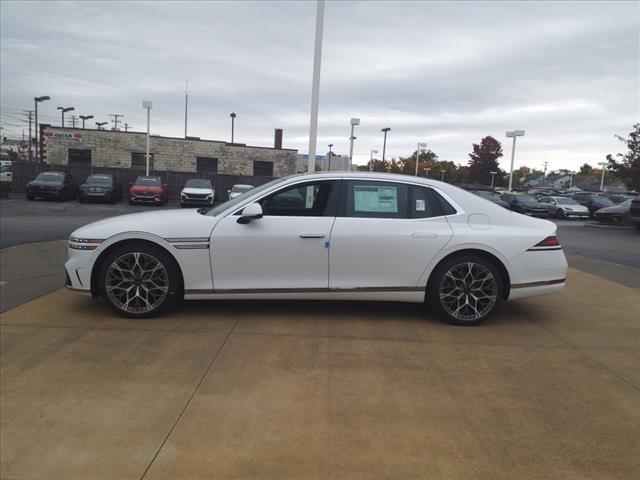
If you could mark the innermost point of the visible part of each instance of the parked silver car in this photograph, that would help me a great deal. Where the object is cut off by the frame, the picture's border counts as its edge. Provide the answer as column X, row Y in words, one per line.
column 564, row 207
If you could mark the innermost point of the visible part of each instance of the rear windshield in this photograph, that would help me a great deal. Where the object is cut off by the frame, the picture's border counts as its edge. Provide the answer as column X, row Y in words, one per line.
column 51, row 177
column 99, row 179
column 153, row 181
column 602, row 201
column 198, row 183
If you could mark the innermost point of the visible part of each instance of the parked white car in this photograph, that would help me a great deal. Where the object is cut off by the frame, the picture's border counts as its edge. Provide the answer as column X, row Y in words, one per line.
column 342, row 236
column 197, row 192
column 564, row 207
column 238, row 190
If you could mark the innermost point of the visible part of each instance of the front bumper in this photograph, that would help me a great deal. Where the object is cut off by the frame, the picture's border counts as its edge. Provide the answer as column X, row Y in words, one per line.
column 45, row 193
column 569, row 214
column 145, row 199
column 204, row 202
column 78, row 270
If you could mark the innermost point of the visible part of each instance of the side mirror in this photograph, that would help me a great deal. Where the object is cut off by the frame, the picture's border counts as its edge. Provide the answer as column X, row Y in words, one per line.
column 253, row 211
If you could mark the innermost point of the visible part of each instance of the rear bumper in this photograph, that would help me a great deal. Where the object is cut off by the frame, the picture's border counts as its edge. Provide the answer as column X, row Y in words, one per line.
column 534, row 291
column 537, row 272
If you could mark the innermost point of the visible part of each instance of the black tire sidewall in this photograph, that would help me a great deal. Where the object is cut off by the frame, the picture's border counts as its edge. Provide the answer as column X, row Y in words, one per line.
column 167, row 261
column 433, row 287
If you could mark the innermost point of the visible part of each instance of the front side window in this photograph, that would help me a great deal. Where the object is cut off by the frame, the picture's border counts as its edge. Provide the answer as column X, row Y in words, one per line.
column 306, row 200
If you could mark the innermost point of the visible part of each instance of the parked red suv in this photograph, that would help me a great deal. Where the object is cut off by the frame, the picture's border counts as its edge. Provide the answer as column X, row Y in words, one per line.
column 148, row 190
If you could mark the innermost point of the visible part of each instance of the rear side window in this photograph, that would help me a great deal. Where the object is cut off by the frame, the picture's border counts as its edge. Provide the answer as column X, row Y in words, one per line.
column 391, row 200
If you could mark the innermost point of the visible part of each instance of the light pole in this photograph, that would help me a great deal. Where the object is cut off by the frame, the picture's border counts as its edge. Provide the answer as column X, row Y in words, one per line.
column 420, row 145
column 513, row 134
column 63, row 110
column 493, row 174
column 354, row 122
column 371, row 160
column 37, row 100
column 100, row 125
column 85, row 117
column 148, row 105
column 443, row 172
column 604, row 165
column 233, row 121
column 315, row 85
column 330, row 155
column 571, row 174
column 426, row 172
column 384, row 145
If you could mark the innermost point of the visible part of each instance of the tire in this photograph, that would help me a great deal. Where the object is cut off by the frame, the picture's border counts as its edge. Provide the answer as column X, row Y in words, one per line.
column 82, row 199
column 559, row 213
column 448, row 285
column 153, row 294
column 30, row 197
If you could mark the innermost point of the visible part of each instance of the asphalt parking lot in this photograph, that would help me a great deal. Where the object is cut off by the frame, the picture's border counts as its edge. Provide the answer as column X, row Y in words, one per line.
column 548, row 388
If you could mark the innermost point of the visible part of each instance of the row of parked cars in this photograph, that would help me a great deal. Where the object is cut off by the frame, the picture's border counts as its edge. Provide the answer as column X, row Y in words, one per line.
column 104, row 187
column 602, row 207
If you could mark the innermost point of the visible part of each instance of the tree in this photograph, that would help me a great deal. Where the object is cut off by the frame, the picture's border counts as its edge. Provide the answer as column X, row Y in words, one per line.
column 394, row 167
column 586, row 169
column 408, row 164
column 627, row 168
column 484, row 160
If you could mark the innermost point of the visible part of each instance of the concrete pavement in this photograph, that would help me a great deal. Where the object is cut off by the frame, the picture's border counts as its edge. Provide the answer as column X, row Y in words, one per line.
column 549, row 388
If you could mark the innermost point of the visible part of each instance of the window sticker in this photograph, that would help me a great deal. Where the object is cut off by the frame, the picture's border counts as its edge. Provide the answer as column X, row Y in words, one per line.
column 379, row 199
column 421, row 205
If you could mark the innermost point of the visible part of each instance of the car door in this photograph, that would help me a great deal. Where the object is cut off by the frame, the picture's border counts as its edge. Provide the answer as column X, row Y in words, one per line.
column 385, row 234
column 285, row 250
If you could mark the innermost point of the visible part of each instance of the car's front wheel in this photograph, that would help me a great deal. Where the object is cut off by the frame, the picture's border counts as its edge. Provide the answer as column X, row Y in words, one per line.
column 139, row 280
column 465, row 290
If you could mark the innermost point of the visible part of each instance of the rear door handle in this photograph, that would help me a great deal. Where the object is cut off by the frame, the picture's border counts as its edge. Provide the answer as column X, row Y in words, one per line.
column 312, row 235
column 424, row 235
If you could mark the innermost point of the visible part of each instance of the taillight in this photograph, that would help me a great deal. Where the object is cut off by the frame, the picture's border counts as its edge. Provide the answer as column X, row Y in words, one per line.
column 549, row 243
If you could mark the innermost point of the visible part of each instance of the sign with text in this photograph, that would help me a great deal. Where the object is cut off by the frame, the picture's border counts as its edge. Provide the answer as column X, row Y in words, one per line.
column 64, row 137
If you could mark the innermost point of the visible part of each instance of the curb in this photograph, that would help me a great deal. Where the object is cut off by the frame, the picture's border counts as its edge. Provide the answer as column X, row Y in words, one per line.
column 610, row 226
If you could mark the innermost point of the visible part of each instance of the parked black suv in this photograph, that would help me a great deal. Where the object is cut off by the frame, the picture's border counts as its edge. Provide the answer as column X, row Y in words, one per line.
column 592, row 201
column 100, row 186
column 525, row 204
column 54, row 185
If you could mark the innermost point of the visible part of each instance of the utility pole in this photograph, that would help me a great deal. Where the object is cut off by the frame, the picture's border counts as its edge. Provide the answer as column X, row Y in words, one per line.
column 73, row 121
column 30, row 146
column 186, row 103
column 115, row 120
column 126, row 127
column 545, row 163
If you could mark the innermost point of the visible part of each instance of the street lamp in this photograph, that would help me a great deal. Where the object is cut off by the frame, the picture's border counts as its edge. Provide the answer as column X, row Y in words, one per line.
column 493, row 174
column 85, row 117
column 443, row 172
column 354, row 122
column 384, row 145
column 100, row 125
column 148, row 105
column 513, row 134
column 371, row 160
column 233, row 120
column 420, row 145
column 426, row 171
column 571, row 174
column 37, row 100
column 604, row 165
column 63, row 110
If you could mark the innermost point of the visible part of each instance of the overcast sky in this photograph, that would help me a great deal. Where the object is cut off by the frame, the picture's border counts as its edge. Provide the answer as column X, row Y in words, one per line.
column 446, row 73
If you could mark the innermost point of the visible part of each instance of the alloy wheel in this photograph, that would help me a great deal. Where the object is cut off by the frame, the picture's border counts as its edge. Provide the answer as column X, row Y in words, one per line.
column 468, row 291
column 137, row 282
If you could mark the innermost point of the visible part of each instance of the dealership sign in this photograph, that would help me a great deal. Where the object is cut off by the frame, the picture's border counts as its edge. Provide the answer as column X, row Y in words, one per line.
column 64, row 137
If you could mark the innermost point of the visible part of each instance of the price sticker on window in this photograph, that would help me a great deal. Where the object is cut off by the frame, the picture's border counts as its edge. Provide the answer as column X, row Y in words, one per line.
column 421, row 206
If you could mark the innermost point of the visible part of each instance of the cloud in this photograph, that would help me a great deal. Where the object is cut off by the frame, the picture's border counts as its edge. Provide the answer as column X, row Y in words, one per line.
column 446, row 73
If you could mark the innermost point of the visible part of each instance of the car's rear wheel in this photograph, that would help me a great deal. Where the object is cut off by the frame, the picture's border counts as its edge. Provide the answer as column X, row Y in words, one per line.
column 139, row 280
column 465, row 290
column 30, row 196
column 559, row 213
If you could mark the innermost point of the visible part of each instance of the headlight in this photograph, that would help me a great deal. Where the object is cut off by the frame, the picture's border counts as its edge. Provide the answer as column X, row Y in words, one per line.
column 84, row 243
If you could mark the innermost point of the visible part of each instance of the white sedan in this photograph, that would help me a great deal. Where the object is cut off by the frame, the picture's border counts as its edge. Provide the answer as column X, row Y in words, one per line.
column 333, row 236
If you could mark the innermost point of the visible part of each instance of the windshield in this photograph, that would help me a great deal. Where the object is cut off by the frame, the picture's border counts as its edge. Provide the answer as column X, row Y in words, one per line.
column 527, row 199
column 565, row 201
column 602, row 201
column 241, row 188
column 240, row 198
column 99, row 179
column 51, row 177
column 626, row 203
column 153, row 181
column 197, row 183
column 488, row 195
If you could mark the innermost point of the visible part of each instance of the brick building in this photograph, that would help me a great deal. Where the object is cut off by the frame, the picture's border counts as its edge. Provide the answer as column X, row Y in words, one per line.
column 117, row 149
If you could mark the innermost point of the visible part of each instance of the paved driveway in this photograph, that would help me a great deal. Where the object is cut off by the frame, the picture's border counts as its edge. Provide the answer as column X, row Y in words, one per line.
column 549, row 388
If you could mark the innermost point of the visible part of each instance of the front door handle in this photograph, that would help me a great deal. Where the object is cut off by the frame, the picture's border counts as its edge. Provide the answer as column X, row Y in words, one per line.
column 312, row 235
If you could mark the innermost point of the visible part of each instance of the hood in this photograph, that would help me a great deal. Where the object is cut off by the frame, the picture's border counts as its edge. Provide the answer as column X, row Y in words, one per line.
column 164, row 224
column 40, row 183
column 197, row 191
column 532, row 205
column 614, row 209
